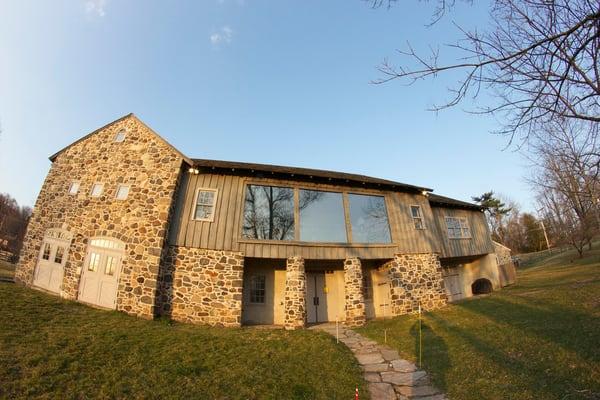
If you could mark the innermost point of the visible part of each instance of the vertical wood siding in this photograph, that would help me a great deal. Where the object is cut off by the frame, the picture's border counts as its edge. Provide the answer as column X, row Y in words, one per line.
column 224, row 232
column 480, row 241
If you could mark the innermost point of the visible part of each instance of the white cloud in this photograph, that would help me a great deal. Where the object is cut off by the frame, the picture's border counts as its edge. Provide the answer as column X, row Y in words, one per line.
column 97, row 7
column 224, row 35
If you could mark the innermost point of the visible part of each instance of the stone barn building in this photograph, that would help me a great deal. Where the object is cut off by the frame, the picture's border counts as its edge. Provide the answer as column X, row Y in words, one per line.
column 125, row 221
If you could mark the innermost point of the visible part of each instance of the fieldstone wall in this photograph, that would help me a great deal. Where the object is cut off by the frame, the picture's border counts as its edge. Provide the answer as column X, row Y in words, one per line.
column 414, row 279
column 144, row 162
column 295, row 294
column 502, row 253
column 201, row 286
column 355, row 300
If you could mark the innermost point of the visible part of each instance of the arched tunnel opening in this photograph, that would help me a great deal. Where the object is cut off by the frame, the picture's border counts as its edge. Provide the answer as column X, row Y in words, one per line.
column 481, row 286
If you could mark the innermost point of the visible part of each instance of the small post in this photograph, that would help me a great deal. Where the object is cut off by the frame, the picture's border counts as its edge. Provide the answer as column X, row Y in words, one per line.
column 356, row 394
column 337, row 332
column 385, row 336
column 420, row 340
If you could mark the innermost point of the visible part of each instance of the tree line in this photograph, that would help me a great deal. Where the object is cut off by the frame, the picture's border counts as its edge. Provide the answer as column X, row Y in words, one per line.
column 13, row 224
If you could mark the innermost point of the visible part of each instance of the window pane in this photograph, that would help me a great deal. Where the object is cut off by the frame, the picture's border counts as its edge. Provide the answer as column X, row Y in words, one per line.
column 203, row 212
column 58, row 257
column 205, row 208
column 94, row 262
column 74, row 188
column 111, row 265
column 418, row 223
column 97, row 190
column 268, row 213
column 205, row 197
column 257, row 289
column 120, row 136
column 416, row 212
column 369, row 219
column 122, row 192
column 46, row 254
column 322, row 217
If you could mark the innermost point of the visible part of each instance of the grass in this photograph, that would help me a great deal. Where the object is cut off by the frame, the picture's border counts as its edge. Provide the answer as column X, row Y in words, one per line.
column 7, row 270
column 539, row 339
column 52, row 348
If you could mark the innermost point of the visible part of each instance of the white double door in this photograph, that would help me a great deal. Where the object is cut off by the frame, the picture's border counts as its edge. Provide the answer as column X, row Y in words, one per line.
column 51, row 263
column 100, row 277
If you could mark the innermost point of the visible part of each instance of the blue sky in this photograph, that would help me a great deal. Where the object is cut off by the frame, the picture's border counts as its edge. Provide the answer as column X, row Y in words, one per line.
column 277, row 82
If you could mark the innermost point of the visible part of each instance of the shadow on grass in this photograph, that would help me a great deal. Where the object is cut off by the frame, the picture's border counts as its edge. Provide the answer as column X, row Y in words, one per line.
column 434, row 350
column 538, row 376
column 548, row 321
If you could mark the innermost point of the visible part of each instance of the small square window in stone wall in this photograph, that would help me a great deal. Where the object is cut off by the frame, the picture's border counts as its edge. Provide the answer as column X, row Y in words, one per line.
column 74, row 188
column 120, row 136
column 97, row 190
column 122, row 192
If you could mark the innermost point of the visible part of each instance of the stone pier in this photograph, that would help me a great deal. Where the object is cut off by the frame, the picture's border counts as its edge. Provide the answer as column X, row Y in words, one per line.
column 295, row 294
column 355, row 300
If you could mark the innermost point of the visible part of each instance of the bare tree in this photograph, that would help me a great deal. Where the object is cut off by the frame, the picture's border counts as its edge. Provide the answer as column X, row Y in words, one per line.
column 539, row 58
column 566, row 179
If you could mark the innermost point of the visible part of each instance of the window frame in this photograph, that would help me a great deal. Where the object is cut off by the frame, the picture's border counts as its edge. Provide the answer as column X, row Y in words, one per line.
column 119, row 186
column 118, row 134
column 420, row 217
column 298, row 220
column 214, row 204
column 296, row 187
column 349, row 217
column 462, row 228
column 252, row 289
column 101, row 190
column 73, row 184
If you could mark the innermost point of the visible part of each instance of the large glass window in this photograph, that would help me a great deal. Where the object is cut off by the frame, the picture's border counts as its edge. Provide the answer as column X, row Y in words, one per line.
column 322, row 217
column 268, row 213
column 369, row 219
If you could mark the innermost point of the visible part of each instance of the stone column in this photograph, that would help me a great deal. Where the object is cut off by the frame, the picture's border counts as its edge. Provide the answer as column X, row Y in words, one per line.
column 414, row 279
column 295, row 294
column 355, row 299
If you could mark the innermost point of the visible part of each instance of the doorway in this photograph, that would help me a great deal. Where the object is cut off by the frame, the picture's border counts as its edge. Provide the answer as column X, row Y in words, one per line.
column 51, row 262
column 316, row 298
column 100, row 277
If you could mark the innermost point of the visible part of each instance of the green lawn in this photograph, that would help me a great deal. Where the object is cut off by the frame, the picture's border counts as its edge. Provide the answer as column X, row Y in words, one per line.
column 539, row 339
column 7, row 270
column 51, row 349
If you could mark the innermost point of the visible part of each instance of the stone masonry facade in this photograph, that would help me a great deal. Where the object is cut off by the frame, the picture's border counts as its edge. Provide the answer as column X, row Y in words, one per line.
column 354, row 304
column 415, row 279
column 151, row 169
column 295, row 294
column 201, row 286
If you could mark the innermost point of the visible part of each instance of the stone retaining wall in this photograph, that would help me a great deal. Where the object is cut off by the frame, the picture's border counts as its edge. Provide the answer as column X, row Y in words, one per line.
column 201, row 286
column 415, row 278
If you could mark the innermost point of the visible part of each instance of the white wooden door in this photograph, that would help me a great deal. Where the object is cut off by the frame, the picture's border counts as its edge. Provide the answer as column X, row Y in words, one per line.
column 316, row 298
column 51, row 262
column 100, row 275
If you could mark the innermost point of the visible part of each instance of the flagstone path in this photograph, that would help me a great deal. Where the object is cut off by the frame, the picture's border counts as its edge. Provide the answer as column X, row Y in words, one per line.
column 389, row 376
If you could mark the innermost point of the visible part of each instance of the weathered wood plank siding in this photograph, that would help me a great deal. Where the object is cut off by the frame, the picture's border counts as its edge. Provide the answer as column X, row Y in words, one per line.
column 224, row 232
column 480, row 241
